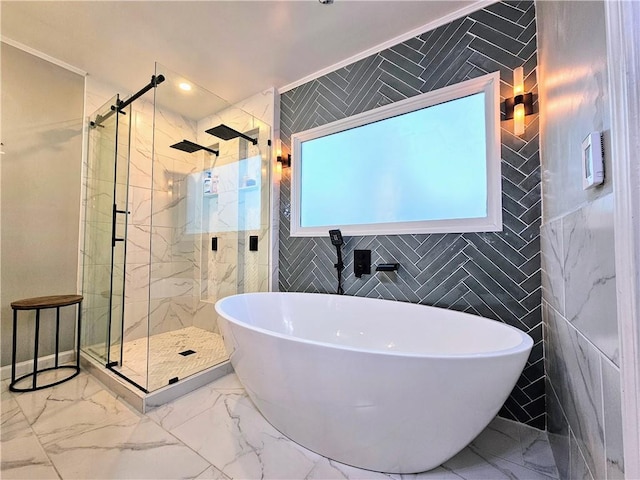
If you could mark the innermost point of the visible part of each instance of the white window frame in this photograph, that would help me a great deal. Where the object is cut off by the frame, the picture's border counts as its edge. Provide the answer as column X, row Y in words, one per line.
column 490, row 85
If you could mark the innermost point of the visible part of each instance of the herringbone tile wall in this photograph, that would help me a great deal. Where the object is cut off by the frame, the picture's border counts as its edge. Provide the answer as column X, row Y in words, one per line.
column 496, row 275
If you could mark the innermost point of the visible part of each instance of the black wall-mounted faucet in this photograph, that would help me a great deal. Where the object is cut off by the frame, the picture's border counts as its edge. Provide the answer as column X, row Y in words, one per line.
column 387, row 267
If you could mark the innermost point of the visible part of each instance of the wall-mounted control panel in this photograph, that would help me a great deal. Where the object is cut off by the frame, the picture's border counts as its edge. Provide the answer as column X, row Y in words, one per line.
column 592, row 161
column 253, row 243
column 361, row 262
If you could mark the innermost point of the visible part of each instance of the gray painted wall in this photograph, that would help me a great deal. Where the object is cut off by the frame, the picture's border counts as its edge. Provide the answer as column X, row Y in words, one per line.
column 42, row 107
column 496, row 275
column 577, row 236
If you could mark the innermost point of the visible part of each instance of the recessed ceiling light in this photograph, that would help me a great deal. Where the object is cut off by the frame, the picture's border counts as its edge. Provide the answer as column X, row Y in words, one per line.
column 185, row 86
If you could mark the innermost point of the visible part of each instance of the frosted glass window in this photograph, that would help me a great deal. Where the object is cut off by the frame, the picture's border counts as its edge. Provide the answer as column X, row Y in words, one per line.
column 432, row 168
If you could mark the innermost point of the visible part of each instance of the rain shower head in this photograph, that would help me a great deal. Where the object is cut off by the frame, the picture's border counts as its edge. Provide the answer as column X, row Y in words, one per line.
column 190, row 147
column 227, row 133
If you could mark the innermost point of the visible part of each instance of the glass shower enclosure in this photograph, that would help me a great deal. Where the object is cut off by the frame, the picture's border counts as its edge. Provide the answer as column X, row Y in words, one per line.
column 176, row 217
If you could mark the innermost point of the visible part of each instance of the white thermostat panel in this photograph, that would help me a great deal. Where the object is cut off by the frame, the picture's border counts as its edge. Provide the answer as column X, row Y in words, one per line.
column 592, row 162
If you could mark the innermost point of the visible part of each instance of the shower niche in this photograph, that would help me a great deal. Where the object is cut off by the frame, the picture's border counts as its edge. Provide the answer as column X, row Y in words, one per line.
column 168, row 170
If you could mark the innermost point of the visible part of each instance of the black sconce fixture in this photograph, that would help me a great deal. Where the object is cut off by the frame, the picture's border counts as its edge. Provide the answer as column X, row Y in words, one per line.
column 285, row 161
column 520, row 105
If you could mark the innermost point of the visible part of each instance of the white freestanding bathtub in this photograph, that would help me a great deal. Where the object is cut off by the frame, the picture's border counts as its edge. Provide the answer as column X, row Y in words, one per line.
column 377, row 384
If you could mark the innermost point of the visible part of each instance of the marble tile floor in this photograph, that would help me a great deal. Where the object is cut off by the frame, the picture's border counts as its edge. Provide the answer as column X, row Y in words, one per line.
column 79, row 430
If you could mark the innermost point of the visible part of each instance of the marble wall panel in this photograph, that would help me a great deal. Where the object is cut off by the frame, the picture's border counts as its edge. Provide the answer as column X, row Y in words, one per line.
column 578, row 468
column 99, row 201
column 205, row 317
column 170, row 313
column 573, row 60
column 139, row 206
column 136, row 324
column 558, row 432
column 138, row 237
column 137, row 282
column 97, row 245
column 611, row 399
column 171, row 279
column 169, row 210
column 589, row 274
column 552, row 259
column 573, row 367
column 582, row 350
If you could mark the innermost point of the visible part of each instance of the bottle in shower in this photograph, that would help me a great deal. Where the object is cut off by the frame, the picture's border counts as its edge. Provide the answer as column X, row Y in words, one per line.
column 207, row 183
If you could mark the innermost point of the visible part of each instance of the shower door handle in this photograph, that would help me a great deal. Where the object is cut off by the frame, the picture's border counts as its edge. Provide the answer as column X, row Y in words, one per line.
column 115, row 239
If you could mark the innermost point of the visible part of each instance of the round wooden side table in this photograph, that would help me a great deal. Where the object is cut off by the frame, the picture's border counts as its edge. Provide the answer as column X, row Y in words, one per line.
column 37, row 304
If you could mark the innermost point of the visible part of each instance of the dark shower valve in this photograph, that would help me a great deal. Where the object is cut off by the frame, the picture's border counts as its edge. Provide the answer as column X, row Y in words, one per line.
column 361, row 262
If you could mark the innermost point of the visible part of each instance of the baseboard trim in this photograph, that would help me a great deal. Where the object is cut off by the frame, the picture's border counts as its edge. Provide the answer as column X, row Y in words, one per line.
column 25, row 367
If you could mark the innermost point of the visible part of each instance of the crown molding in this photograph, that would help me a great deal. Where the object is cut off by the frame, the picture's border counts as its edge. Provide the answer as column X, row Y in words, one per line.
column 462, row 12
column 44, row 56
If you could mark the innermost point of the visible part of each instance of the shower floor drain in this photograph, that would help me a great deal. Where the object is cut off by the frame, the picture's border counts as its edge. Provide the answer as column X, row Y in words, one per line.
column 187, row 352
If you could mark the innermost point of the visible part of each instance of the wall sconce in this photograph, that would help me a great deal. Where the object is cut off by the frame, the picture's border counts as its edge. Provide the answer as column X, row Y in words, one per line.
column 284, row 161
column 520, row 104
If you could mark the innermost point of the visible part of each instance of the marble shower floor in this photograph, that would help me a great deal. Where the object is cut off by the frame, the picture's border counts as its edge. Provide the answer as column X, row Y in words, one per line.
column 165, row 361
column 79, row 430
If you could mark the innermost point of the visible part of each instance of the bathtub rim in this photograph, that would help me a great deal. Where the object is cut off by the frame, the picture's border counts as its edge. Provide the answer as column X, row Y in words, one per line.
column 526, row 343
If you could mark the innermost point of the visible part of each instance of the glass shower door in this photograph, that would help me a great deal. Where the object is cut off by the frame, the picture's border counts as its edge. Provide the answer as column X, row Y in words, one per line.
column 103, row 254
column 119, row 221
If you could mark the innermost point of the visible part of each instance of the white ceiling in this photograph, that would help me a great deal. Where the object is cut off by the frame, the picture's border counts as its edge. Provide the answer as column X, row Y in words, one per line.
column 233, row 48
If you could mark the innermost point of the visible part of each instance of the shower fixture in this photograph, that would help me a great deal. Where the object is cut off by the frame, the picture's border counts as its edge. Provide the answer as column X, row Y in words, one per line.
column 338, row 242
column 155, row 81
column 122, row 104
column 227, row 133
column 190, row 147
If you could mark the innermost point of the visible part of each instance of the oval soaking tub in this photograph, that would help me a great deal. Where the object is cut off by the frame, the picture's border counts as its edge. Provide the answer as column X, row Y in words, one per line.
column 377, row 384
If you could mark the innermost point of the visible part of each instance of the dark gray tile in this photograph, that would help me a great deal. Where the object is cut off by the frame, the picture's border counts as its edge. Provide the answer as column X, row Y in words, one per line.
column 495, row 53
column 528, row 52
column 528, row 17
column 444, row 287
column 512, row 190
column 533, row 318
column 439, row 39
column 455, row 52
column 410, row 48
column 435, row 265
column 503, row 263
column 332, row 102
column 454, row 72
column 528, row 33
column 532, row 213
column 390, row 93
column 532, row 182
column 498, row 22
column 497, row 38
column 394, row 57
